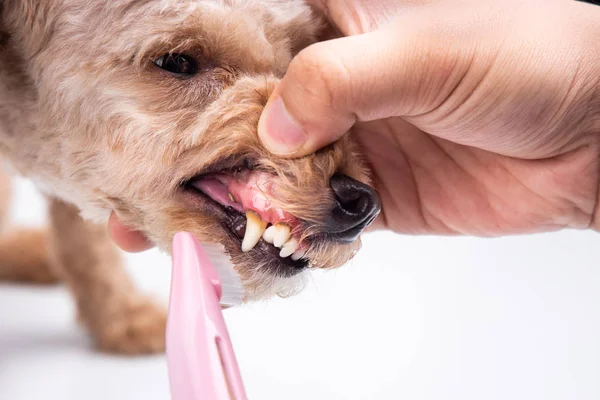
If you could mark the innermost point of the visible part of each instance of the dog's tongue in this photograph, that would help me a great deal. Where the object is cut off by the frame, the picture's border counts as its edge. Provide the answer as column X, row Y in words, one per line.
column 243, row 192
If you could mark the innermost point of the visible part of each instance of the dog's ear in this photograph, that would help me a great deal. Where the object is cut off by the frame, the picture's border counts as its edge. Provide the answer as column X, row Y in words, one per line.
column 307, row 29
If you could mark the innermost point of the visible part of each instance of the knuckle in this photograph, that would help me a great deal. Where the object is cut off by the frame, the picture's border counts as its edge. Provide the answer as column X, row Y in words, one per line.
column 321, row 76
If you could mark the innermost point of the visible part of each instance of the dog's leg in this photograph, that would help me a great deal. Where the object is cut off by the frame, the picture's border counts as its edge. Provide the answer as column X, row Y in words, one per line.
column 24, row 258
column 120, row 319
column 23, row 253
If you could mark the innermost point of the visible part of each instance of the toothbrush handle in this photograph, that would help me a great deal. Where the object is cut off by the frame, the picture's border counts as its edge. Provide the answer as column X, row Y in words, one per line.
column 200, row 357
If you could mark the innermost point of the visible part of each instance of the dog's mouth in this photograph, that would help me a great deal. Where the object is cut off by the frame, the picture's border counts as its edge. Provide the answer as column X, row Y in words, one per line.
column 241, row 199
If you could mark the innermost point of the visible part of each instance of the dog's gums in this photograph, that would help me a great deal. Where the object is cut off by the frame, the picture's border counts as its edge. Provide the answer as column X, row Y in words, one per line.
column 243, row 192
column 149, row 109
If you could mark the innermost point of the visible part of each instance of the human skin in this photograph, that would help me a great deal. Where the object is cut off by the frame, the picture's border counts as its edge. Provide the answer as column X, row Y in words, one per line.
column 476, row 117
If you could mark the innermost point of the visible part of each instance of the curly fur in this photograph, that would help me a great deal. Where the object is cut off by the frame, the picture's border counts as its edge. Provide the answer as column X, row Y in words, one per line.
column 97, row 126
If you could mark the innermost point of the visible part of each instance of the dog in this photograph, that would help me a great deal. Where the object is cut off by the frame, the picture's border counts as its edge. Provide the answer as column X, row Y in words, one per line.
column 149, row 108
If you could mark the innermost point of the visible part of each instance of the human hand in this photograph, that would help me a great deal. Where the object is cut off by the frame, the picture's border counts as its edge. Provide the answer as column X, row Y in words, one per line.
column 127, row 239
column 477, row 117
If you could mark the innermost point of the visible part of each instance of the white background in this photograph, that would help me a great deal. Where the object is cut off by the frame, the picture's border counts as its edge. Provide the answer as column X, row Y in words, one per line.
column 411, row 318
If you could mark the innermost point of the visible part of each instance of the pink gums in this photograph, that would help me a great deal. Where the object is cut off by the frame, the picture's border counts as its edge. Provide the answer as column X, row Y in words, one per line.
column 251, row 191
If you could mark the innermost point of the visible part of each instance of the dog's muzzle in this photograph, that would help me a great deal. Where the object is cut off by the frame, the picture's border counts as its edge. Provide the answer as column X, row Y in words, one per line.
column 356, row 206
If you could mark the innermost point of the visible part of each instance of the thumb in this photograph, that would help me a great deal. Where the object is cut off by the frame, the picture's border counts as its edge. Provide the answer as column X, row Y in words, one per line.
column 331, row 85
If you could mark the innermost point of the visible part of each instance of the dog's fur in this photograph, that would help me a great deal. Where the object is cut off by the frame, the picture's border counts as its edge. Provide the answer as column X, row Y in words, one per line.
column 97, row 126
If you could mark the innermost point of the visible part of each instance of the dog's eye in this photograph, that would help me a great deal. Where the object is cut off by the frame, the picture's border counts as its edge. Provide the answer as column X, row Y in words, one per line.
column 177, row 63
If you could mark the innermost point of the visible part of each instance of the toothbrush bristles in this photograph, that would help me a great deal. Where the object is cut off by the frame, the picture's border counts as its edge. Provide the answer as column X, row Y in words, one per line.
column 233, row 290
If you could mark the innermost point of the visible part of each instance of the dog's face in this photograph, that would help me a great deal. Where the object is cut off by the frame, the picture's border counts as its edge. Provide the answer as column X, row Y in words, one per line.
column 153, row 106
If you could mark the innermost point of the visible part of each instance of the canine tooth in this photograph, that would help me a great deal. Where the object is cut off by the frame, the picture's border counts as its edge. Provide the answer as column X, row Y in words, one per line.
column 269, row 234
column 231, row 197
column 288, row 248
column 282, row 234
column 298, row 254
column 255, row 227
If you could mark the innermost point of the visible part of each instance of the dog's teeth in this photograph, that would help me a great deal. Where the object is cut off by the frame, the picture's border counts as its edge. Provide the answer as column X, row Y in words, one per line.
column 288, row 248
column 231, row 197
column 269, row 234
column 282, row 234
column 255, row 227
column 298, row 254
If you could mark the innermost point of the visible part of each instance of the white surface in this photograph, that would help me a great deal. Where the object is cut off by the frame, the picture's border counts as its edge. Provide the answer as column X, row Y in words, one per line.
column 411, row 318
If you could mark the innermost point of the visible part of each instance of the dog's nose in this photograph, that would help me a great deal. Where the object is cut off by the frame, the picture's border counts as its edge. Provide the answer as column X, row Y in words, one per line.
column 356, row 206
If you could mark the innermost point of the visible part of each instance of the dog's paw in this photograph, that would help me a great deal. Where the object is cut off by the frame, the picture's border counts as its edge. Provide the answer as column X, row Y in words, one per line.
column 138, row 329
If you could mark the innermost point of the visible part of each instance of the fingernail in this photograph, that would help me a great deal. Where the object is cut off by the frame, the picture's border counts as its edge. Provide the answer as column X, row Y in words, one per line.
column 278, row 131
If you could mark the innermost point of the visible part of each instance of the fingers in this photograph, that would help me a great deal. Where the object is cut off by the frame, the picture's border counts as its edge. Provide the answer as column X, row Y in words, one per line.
column 127, row 239
column 330, row 85
column 311, row 108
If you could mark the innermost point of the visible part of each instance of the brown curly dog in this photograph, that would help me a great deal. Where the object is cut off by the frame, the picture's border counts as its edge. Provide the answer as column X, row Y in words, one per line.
column 150, row 108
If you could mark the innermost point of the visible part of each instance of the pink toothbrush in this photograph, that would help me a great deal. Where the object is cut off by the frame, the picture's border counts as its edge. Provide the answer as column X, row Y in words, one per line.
column 200, row 357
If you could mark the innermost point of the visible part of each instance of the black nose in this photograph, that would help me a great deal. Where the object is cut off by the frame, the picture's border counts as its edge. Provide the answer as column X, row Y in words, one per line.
column 355, row 208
